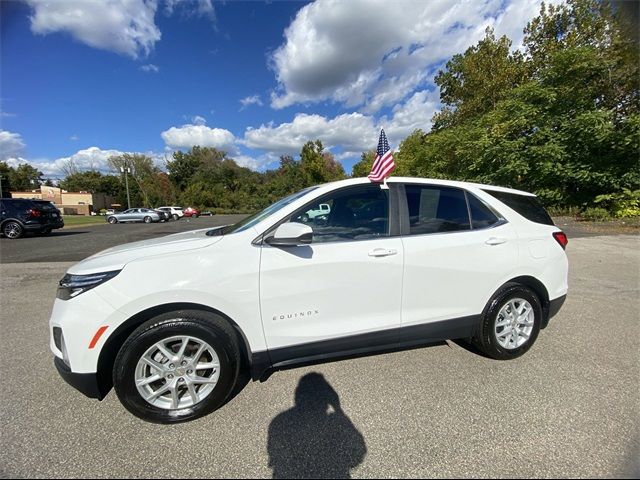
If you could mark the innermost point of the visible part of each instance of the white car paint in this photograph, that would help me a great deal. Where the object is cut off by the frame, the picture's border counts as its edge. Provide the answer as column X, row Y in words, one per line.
column 323, row 291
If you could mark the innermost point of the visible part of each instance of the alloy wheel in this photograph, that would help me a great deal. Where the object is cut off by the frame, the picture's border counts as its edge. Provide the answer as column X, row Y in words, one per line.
column 514, row 323
column 177, row 372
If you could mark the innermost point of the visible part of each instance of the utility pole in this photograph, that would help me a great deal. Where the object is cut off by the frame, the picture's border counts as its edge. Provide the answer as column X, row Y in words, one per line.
column 1, row 186
column 126, row 182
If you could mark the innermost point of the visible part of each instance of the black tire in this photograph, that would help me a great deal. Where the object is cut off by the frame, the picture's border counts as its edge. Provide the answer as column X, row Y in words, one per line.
column 485, row 338
column 112, row 220
column 45, row 232
column 196, row 215
column 12, row 229
column 175, row 216
column 147, row 219
column 206, row 326
column 304, row 218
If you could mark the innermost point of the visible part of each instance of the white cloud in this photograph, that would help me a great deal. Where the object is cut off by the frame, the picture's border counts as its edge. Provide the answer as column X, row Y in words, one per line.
column 191, row 7
column 92, row 158
column 251, row 100
column 122, row 26
column 375, row 53
column 351, row 131
column 248, row 162
column 415, row 113
column 74, row 138
column 198, row 120
column 11, row 145
column 189, row 135
column 150, row 67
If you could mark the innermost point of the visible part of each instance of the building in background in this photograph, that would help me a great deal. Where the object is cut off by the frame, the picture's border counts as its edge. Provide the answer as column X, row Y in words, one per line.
column 70, row 203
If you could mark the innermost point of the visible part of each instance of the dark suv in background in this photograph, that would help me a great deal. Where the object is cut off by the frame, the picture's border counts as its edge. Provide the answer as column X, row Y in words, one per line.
column 18, row 216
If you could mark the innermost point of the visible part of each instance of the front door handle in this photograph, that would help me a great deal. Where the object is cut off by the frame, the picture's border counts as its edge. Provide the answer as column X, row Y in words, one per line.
column 382, row 252
column 496, row 241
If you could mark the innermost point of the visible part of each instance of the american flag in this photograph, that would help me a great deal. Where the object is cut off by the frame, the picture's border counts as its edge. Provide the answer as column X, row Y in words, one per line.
column 383, row 165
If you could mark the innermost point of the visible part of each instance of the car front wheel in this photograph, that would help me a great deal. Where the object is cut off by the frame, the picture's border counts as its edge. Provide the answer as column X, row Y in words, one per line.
column 177, row 367
column 147, row 219
column 510, row 324
column 175, row 216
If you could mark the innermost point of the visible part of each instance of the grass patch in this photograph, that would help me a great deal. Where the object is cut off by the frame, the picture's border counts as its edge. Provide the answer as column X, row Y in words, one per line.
column 81, row 220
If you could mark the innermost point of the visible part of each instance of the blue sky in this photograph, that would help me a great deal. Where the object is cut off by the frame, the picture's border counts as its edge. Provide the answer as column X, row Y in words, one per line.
column 84, row 79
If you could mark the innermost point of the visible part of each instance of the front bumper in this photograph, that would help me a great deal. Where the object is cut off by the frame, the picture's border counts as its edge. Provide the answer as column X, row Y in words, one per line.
column 85, row 383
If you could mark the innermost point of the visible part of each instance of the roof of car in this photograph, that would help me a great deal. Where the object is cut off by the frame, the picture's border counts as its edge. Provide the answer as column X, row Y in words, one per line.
column 432, row 181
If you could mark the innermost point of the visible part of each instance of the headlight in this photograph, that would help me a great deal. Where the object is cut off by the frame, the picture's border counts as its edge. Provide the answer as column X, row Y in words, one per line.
column 73, row 285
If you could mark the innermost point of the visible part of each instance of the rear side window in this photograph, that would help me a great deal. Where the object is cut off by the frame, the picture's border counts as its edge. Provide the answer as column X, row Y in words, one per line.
column 527, row 206
column 43, row 205
column 18, row 205
column 481, row 214
column 436, row 209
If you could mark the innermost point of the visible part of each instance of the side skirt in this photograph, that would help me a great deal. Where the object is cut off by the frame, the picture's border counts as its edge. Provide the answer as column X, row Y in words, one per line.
column 263, row 364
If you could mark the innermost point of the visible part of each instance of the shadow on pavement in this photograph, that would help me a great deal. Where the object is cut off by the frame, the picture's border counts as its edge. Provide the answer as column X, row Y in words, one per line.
column 315, row 438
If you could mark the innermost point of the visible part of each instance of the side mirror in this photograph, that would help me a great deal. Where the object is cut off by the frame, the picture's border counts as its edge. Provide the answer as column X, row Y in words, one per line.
column 291, row 234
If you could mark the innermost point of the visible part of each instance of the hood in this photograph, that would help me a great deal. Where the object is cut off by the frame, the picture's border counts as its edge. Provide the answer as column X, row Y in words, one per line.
column 116, row 258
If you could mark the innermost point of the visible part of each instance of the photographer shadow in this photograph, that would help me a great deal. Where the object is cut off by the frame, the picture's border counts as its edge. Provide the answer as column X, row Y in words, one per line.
column 315, row 438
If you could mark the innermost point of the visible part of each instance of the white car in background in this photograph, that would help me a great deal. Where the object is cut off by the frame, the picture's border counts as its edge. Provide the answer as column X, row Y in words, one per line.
column 172, row 321
column 175, row 212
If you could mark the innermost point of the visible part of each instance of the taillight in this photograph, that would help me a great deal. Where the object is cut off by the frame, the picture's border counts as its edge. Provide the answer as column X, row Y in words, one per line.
column 561, row 238
column 32, row 212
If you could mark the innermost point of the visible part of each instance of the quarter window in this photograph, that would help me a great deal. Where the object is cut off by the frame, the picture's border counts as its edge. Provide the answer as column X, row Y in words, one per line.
column 481, row 215
column 358, row 213
column 436, row 209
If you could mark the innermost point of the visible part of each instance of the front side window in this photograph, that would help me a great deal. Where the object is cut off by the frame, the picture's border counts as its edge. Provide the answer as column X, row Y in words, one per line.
column 355, row 213
column 434, row 209
column 256, row 218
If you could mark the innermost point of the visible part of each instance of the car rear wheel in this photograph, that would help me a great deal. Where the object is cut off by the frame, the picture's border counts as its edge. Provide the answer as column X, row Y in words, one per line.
column 147, row 219
column 12, row 230
column 510, row 324
column 112, row 220
column 177, row 367
column 46, row 231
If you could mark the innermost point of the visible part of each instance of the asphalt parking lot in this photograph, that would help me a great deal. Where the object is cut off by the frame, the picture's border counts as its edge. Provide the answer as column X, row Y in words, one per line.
column 569, row 408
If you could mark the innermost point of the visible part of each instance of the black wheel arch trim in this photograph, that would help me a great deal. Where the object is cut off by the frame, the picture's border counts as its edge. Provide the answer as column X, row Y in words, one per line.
column 115, row 341
column 541, row 292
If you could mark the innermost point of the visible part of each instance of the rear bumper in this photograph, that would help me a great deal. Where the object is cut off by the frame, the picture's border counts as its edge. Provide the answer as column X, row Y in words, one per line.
column 554, row 307
column 85, row 383
column 39, row 227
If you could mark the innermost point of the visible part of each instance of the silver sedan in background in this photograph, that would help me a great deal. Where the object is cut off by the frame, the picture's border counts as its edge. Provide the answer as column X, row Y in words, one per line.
column 145, row 215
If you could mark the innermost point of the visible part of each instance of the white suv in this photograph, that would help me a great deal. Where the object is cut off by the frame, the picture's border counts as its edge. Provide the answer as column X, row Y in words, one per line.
column 171, row 322
column 175, row 212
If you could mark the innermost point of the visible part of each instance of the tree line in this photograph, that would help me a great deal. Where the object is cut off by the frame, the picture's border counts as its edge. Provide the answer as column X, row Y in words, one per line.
column 559, row 117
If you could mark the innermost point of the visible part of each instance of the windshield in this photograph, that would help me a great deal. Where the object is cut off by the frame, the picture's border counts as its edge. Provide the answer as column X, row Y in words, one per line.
column 258, row 217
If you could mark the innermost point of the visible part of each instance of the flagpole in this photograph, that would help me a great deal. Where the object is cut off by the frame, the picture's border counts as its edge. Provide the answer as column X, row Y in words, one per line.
column 384, row 185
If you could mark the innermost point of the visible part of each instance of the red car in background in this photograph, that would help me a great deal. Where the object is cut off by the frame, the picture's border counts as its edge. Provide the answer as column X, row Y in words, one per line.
column 191, row 212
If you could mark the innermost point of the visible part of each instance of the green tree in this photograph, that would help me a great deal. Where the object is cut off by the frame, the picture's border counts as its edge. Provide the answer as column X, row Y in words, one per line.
column 24, row 177
column 363, row 167
column 474, row 82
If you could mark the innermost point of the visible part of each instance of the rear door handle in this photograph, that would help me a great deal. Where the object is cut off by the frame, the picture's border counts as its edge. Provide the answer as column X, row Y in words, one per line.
column 496, row 241
column 382, row 252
